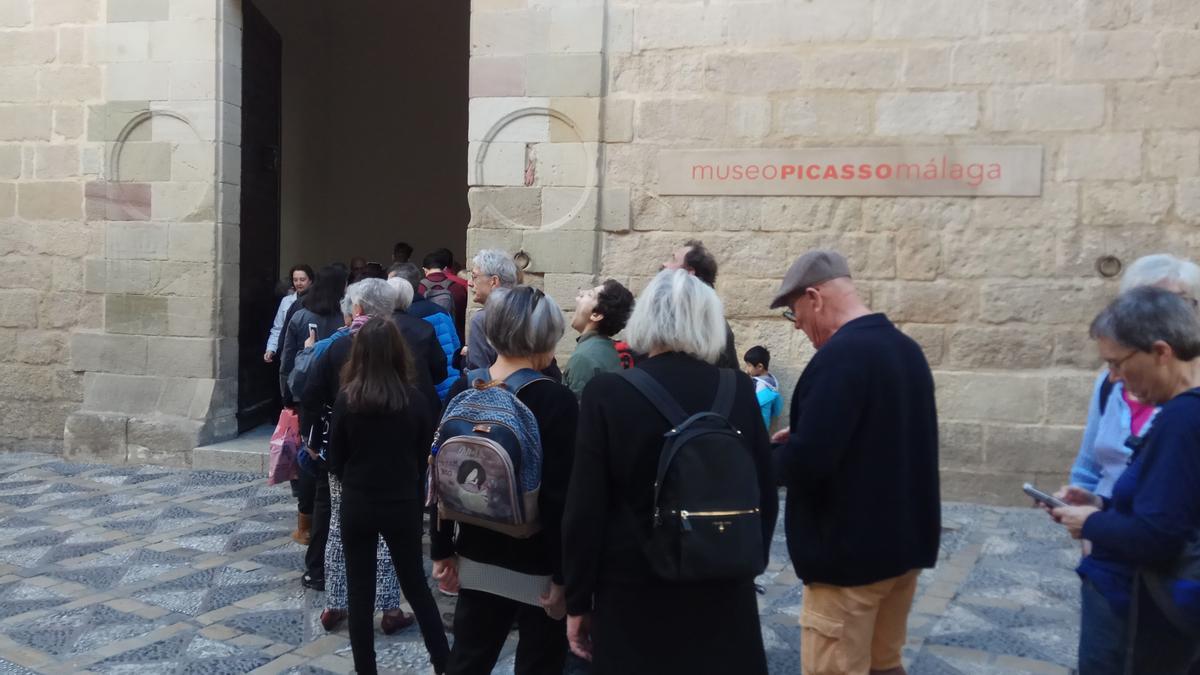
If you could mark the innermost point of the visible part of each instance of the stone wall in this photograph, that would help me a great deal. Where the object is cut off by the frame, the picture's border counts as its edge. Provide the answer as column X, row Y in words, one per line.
column 998, row 291
column 537, row 142
column 118, row 242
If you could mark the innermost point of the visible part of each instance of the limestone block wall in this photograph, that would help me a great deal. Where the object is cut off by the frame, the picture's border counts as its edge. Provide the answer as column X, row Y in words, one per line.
column 538, row 135
column 118, row 242
column 998, row 291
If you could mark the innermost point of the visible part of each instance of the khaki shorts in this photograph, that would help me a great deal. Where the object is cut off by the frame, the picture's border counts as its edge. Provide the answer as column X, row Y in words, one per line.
column 850, row 630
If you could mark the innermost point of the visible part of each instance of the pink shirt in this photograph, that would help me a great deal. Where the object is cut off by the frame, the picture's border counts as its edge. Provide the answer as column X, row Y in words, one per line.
column 1140, row 413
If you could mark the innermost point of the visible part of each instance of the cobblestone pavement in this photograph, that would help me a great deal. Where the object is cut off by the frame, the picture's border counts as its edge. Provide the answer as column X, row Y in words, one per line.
column 142, row 569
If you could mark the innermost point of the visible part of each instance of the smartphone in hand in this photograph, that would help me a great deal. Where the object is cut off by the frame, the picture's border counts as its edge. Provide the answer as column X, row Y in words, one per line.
column 1043, row 498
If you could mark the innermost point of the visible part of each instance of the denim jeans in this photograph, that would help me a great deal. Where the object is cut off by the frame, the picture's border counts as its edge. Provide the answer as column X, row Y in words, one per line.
column 1103, row 634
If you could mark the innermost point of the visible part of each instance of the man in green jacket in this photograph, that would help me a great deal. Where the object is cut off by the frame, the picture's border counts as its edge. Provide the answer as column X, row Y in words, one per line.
column 600, row 313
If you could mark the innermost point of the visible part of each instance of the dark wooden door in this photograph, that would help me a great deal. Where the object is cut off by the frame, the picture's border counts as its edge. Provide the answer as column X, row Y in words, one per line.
column 262, row 106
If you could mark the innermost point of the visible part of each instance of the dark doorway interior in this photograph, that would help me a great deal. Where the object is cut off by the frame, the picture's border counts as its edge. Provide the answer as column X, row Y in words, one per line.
column 262, row 130
column 375, row 99
column 368, row 101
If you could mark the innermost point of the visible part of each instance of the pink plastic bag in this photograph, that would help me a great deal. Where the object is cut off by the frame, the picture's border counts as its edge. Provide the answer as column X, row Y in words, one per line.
column 285, row 444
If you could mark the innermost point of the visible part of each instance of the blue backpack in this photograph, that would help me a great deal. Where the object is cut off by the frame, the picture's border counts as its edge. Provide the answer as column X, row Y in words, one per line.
column 305, row 358
column 486, row 460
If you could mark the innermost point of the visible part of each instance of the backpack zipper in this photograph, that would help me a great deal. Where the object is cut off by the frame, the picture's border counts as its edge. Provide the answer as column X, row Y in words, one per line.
column 685, row 515
column 470, row 421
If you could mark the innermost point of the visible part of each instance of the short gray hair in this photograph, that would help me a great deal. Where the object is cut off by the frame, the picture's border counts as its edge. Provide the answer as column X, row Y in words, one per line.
column 404, row 292
column 678, row 313
column 1147, row 314
column 346, row 305
column 1153, row 270
column 496, row 263
column 374, row 296
column 407, row 271
column 522, row 321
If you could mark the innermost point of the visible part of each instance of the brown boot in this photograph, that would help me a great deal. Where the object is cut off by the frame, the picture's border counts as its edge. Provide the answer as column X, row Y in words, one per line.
column 303, row 532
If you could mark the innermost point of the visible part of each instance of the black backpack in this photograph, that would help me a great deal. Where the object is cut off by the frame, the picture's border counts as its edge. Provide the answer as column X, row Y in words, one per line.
column 1106, row 388
column 706, row 523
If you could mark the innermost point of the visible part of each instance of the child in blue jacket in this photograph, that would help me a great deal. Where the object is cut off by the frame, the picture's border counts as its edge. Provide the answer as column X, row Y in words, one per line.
column 756, row 363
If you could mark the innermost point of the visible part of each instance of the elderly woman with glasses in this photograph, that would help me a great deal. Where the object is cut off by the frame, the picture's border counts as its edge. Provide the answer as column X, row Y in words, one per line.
column 1137, row 615
column 524, row 326
column 1114, row 414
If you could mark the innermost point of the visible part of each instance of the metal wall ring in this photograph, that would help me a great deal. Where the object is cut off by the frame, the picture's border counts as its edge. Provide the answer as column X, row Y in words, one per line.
column 1108, row 266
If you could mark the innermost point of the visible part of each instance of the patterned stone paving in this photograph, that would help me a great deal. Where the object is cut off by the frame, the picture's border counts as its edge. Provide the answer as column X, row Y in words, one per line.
column 151, row 570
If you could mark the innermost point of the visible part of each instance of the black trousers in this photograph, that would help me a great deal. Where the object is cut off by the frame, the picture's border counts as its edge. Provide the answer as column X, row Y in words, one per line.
column 304, row 489
column 314, row 557
column 481, row 625
column 400, row 525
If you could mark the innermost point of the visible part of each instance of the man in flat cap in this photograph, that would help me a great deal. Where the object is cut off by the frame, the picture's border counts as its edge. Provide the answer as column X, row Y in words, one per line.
column 860, row 464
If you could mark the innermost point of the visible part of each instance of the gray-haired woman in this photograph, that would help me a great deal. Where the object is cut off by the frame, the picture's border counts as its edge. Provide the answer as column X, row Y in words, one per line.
column 524, row 326
column 639, row 622
column 1150, row 339
column 1113, row 413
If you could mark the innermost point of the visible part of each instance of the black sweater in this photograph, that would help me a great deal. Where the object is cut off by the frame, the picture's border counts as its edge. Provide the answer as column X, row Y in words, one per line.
column 380, row 458
column 861, row 465
column 617, row 450
column 556, row 411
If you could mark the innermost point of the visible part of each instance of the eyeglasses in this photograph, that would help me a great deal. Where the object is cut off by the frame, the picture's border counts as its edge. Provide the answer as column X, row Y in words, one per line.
column 789, row 314
column 1115, row 366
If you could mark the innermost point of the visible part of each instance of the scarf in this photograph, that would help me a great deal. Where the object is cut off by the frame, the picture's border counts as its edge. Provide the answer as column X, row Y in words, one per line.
column 358, row 322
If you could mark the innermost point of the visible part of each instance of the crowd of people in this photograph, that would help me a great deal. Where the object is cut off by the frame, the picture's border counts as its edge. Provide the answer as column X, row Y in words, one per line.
column 619, row 508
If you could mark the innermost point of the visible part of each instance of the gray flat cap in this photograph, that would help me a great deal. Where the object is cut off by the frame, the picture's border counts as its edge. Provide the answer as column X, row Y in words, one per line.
column 812, row 268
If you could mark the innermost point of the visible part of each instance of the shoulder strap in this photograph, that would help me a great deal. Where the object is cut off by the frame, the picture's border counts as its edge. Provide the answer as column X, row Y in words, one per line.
column 656, row 394
column 1106, row 388
column 726, row 388
column 523, row 378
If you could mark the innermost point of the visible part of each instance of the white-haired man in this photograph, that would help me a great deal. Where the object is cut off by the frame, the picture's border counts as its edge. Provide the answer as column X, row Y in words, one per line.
column 490, row 269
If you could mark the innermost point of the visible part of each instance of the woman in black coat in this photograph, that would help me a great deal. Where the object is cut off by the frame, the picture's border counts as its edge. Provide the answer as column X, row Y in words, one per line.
column 620, row 614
